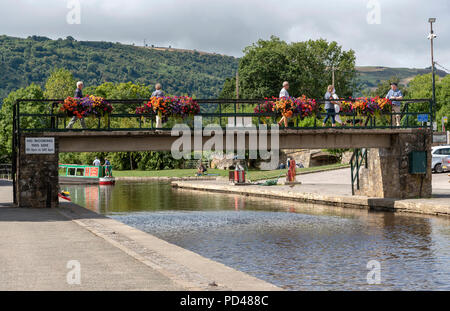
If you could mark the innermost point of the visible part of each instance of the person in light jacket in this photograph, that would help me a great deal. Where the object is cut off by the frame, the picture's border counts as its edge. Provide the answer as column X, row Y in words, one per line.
column 158, row 93
column 79, row 95
column 284, row 94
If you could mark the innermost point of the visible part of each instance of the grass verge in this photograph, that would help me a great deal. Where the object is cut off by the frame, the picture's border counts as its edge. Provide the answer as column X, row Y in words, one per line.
column 252, row 174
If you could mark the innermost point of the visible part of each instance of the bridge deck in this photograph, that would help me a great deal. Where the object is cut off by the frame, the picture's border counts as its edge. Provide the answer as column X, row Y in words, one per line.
column 151, row 140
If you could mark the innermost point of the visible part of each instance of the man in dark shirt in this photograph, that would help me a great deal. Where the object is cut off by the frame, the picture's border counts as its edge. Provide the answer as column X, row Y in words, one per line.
column 78, row 94
column 78, row 91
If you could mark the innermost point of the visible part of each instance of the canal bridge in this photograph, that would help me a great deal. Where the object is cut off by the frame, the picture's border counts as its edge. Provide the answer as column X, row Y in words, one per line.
column 388, row 161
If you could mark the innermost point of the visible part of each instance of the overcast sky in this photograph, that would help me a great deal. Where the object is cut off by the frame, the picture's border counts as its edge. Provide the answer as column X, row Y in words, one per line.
column 396, row 37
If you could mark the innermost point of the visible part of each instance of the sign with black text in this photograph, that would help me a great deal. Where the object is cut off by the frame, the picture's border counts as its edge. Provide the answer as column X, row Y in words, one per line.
column 39, row 145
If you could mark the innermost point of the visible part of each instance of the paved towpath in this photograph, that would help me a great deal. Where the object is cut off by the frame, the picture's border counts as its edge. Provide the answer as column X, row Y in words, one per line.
column 6, row 195
column 339, row 181
column 39, row 247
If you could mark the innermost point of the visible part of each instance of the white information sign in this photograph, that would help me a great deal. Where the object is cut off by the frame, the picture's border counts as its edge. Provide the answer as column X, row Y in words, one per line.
column 39, row 145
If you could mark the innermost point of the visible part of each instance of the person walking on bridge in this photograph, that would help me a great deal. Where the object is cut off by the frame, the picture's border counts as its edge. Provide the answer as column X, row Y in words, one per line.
column 284, row 94
column 158, row 93
column 395, row 94
column 337, row 107
column 79, row 95
column 329, row 107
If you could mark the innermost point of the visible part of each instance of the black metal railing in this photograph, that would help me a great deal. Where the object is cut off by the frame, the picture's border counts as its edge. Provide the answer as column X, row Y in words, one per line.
column 358, row 159
column 45, row 116
column 6, row 171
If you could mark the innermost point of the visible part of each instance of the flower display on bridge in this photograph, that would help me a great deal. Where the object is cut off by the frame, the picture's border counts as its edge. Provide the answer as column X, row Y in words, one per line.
column 268, row 107
column 286, row 106
column 164, row 107
column 289, row 107
column 87, row 106
column 72, row 107
column 189, row 107
column 96, row 106
column 305, row 107
column 367, row 106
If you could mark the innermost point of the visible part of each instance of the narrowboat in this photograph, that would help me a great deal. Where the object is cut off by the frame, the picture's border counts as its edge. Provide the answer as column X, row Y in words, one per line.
column 85, row 174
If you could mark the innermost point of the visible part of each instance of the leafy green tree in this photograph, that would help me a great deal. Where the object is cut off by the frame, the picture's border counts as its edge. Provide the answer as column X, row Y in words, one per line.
column 263, row 68
column 6, row 116
column 443, row 91
column 229, row 89
column 127, row 90
column 444, row 112
column 306, row 65
column 443, row 100
column 60, row 84
column 421, row 88
column 151, row 160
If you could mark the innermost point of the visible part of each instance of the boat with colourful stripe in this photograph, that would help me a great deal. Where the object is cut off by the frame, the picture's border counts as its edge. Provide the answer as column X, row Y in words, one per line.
column 85, row 174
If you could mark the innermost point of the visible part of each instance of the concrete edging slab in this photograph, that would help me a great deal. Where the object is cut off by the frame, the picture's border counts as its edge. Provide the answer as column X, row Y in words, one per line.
column 186, row 268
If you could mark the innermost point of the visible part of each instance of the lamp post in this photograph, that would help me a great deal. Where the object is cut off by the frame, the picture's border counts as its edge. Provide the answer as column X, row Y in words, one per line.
column 431, row 37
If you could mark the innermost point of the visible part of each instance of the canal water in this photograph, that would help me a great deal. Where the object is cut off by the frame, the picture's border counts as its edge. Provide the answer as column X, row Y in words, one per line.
column 292, row 245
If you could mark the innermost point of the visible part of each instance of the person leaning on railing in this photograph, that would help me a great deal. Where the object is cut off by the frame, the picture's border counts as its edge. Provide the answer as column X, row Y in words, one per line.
column 395, row 94
column 78, row 94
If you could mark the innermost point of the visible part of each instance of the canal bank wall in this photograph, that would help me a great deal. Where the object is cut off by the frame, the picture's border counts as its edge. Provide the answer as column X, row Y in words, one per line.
column 299, row 193
column 185, row 268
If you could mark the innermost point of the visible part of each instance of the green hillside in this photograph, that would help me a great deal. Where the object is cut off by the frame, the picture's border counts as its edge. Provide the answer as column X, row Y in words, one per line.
column 23, row 61
column 370, row 76
column 31, row 60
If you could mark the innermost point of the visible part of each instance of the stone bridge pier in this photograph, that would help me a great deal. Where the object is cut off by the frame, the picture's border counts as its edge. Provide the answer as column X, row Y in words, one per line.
column 388, row 173
column 387, row 176
column 36, row 183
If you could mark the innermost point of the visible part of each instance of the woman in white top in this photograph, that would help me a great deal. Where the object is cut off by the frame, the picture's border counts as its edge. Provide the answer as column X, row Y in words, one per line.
column 337, row 107
column 284, row 94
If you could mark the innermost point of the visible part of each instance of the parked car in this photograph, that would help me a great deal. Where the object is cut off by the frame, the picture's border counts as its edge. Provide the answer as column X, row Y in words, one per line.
column 446, row 164
column 438, row 154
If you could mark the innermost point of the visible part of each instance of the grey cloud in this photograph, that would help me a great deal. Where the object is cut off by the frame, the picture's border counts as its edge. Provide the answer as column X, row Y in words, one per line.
column 227, row 26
